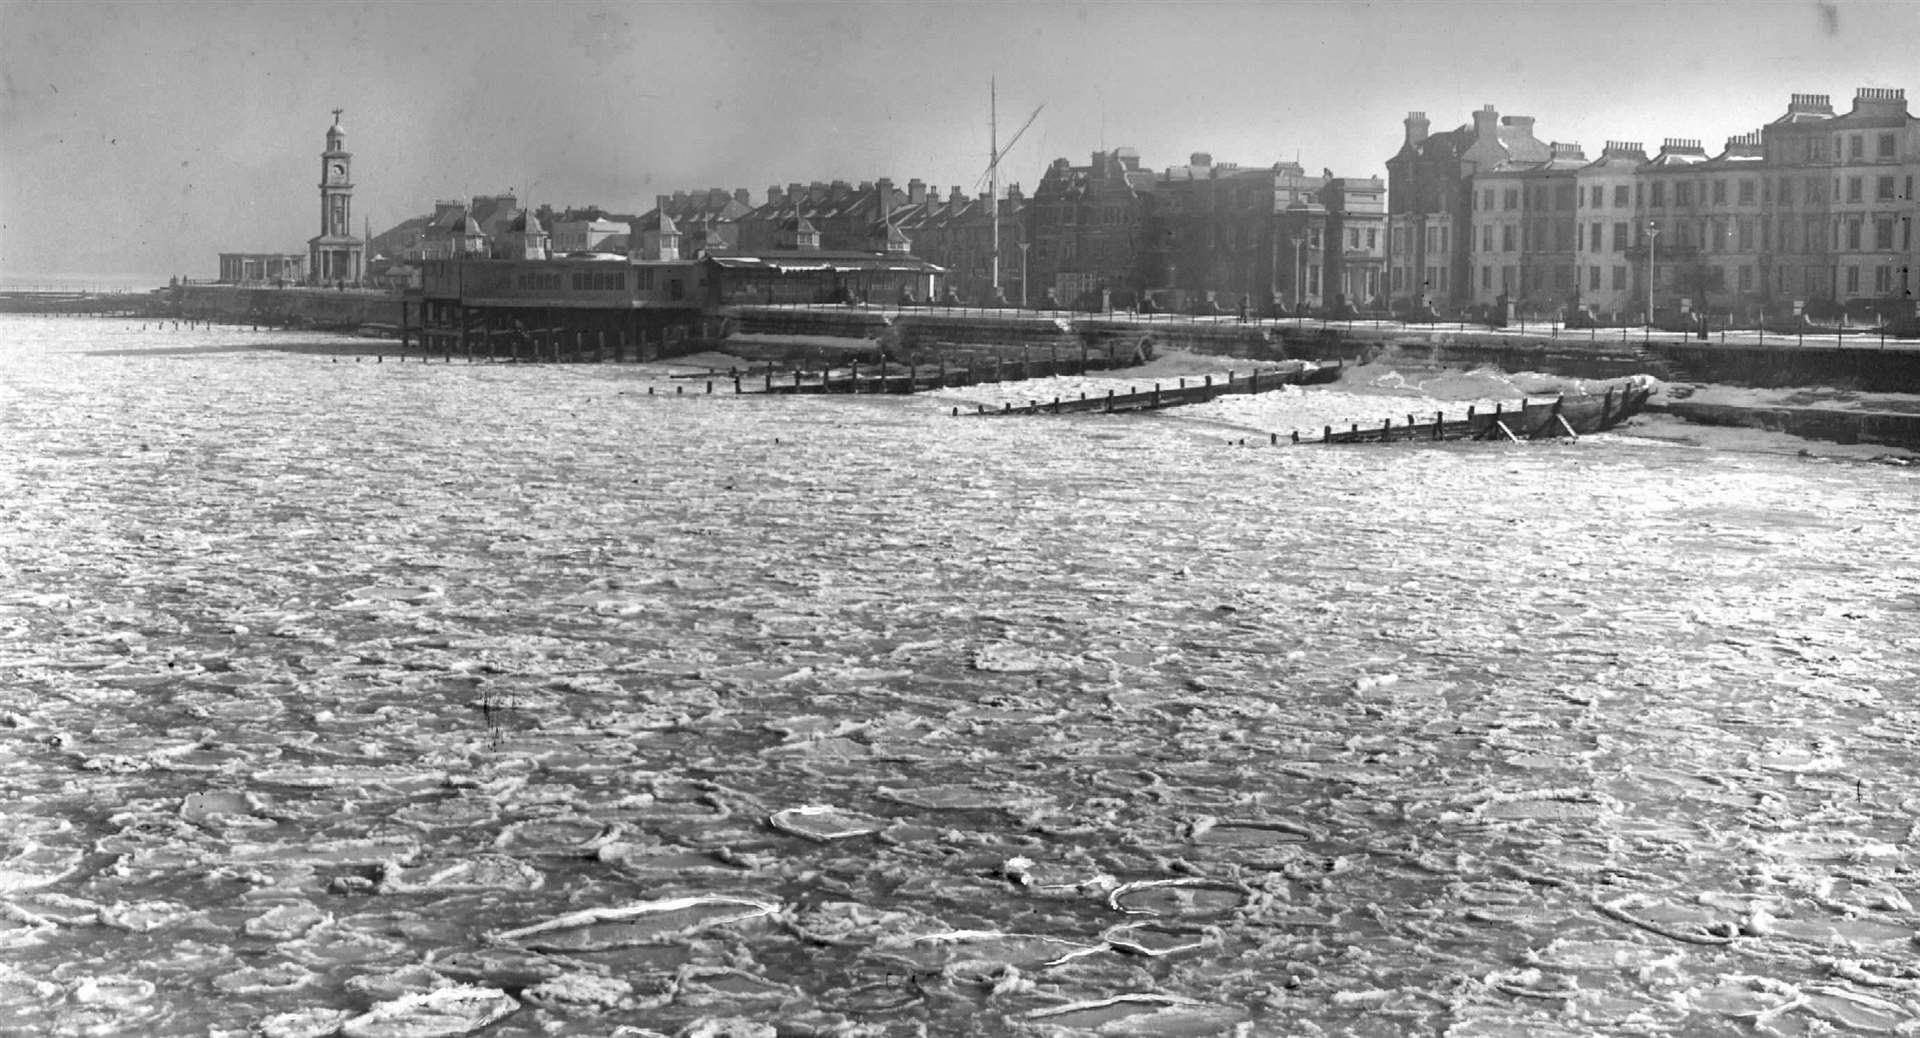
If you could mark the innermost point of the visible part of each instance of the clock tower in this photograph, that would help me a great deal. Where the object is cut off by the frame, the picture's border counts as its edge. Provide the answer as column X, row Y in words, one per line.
column 335, row 255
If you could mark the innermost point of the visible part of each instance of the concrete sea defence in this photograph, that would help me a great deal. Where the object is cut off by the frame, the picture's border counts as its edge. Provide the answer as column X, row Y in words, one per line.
column 1813, row 423
column 297, row 307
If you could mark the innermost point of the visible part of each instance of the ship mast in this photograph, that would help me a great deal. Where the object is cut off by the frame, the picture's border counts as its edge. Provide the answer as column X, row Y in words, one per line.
column 993, row 190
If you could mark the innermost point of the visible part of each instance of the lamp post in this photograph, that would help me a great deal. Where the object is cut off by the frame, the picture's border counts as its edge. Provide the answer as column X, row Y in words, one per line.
column 1653, row 235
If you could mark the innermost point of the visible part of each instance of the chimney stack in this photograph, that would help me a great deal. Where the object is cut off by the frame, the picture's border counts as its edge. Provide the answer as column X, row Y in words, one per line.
column 1810, row 104
column 883, row 198
column 1416, row 127
column 743, row 196
column 1486, row 124
column 916, row 191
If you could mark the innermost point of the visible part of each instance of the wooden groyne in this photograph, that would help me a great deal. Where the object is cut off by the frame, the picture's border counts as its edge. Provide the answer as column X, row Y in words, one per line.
column 1163, row 396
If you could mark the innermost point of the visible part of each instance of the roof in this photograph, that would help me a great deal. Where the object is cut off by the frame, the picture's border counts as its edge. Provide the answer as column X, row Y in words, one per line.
column 526, row 222
column 813, row 262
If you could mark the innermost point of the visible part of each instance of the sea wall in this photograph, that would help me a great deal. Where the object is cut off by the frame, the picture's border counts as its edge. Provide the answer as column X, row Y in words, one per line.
column 1813, row 423
column 298, row 307
column 1868, row 366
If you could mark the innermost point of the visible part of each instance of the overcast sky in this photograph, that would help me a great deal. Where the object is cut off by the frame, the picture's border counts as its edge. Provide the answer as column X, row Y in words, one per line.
column 145, row 137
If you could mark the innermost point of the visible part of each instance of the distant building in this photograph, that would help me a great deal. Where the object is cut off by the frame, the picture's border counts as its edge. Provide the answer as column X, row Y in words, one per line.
column 1230, row 235
column 592, row 235
column 263, row 268
column 1356, row 253
column 1091, row 230
column 335, row 256
column 957, row 233
column 1430, row 200
column 707, row 221
column 844, row 216
column 1610, row 230
column 1523, row 231
column 1674, row 190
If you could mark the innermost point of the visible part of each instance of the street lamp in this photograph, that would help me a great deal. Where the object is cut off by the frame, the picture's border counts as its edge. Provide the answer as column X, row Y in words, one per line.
column 1653, row 234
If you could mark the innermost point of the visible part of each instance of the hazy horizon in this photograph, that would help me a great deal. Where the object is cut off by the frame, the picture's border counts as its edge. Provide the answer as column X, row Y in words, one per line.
column 148, row 137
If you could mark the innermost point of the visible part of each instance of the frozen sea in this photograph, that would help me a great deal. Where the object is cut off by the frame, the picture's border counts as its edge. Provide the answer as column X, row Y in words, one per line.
column 375, row 698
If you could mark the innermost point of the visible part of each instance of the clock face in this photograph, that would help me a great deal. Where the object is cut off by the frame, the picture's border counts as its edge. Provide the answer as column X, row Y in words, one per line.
column 338, row 171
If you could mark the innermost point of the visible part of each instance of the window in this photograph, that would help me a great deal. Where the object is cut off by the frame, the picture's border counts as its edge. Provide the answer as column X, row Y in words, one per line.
column 1619, row 279
column 1887, row 146
column 1511, row 200
column 1683, row 193
column 1486, row 199
column 1620, row 238
column 1486, row 238
column 1486, row 277
column 1593, row 278
column 1786, row 190
column 1856, row 146
column 1598, row 197
column 1659, row 195
column 599, row 280
column 1620, row 196
column 1373, row 239
column 1595, row 235
column 1817, row 149
column 1882, row 280
column 1506, row 279
column 1883, row 233
column 1853, row 281
column 1353, row 238
column 1744, row 234
column 1853, row 235
column 1853, row 189
column 1816, row 189
column 1746, row 279
column 1883, row 189
column 1746, row 192
column 1719, row 192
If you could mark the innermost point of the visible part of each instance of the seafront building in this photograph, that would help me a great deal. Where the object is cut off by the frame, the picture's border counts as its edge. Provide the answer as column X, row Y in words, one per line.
column 1356, row 254
column 1524, row 231
column 1430, row 203
column 1609, row 228
column 1815, row 211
